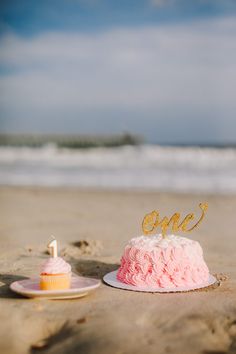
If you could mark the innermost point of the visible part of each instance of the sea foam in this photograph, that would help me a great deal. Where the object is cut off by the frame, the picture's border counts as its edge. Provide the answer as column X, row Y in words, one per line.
column 177, row 169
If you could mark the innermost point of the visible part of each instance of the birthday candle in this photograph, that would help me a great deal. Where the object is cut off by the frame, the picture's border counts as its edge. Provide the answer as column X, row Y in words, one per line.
column 53, row 247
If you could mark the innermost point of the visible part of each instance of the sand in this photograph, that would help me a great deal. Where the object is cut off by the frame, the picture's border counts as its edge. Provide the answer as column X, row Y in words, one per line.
column 92, row 228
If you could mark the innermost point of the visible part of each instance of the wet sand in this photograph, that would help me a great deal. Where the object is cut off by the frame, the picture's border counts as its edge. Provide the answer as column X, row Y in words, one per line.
column 111, row 320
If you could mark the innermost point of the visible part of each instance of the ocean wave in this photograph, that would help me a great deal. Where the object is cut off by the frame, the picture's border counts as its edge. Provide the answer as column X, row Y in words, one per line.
column 190, row 169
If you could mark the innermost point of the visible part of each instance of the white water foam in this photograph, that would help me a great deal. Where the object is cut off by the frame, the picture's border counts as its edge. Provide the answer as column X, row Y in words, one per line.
column 183, row 169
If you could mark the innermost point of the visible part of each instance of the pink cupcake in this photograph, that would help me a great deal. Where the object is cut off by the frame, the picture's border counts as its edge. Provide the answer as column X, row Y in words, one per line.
column 55, row 272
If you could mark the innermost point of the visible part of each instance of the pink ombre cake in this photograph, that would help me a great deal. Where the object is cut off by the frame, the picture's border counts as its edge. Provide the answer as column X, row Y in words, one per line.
column 170, row 262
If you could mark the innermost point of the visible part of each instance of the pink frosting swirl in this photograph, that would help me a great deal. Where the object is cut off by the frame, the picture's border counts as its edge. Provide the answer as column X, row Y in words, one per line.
column 55, row 266
column 177, row 262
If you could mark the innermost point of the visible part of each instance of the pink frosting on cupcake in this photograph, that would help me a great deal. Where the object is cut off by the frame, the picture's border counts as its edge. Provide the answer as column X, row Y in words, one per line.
column 55, row 265
column 151, row 261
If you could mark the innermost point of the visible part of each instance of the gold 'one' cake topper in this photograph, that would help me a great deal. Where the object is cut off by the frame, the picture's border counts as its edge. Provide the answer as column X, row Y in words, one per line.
column 152, row 221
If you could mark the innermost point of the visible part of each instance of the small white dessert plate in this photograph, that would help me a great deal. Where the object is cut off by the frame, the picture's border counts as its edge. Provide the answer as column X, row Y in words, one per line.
column 80, row 286
column 111, row 279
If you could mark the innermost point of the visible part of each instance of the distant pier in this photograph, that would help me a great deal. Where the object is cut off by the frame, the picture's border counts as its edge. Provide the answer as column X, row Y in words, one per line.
column 69, row 141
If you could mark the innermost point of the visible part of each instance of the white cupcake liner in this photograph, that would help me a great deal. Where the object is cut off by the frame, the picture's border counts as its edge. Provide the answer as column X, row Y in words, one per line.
column 110, row 279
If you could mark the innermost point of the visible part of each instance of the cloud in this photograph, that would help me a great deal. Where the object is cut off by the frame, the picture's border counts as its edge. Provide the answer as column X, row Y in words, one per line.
column 141, row 79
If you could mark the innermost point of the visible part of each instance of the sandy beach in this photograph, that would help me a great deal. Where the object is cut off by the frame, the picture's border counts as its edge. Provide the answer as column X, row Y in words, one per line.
column 111, row 320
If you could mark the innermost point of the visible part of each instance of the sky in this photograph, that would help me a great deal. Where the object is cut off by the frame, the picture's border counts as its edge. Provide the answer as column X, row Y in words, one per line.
column 163, row 69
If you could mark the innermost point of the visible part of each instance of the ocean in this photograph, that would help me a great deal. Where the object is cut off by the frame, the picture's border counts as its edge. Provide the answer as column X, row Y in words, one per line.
column 143, row 167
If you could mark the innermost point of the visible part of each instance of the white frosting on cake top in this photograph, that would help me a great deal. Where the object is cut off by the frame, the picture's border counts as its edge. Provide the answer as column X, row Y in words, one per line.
column 150, row 241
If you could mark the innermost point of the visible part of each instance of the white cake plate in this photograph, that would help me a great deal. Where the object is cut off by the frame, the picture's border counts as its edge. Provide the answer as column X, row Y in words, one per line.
column 80, row 286
column 110, row 278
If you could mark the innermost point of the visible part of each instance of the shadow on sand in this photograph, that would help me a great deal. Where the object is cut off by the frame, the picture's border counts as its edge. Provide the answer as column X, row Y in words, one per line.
column 93, row 268
column 5, row 281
